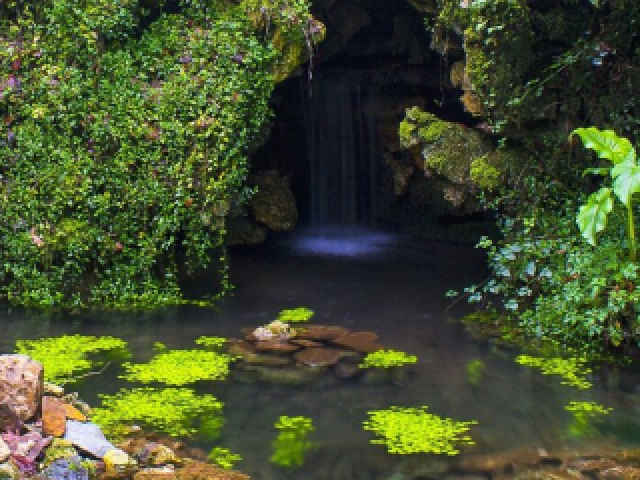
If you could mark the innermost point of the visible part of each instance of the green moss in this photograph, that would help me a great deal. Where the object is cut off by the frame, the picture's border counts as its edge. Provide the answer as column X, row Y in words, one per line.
column 413, row 430
column 387, row 359
column 173, row 411
column 484, row 174
column 180, row 367
column 406, row 132
column 291, row 445
column 572, row 370
column 223, row 457
column 295, row 315
column 63, row 357
column 475, row 371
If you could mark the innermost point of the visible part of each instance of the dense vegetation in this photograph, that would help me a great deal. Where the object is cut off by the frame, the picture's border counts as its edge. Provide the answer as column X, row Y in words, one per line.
column 124, row 138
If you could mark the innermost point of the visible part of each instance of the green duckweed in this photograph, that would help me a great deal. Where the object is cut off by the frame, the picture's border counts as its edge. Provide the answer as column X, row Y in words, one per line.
column 406, row 430
column 572, row 370
column 180, row 367
column 295, row 315
column 223, row 457
column 173, row 411
column 588, row 408
column 65, row 356
column 291, row 445
column 387, row 359
column 211, row 342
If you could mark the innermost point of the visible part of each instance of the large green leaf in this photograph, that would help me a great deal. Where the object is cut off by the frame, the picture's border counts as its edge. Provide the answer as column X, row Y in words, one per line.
column 606, row 144
column 592, row 217
column 626, row 181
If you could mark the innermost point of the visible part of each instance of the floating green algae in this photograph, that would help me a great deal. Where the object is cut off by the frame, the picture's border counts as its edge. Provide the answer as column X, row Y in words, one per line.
column 295, row 315
column 291, row 445
column 406, row 430
column 572, row 369
column 174, row 411
column 211, row 342
column 223, row 457
column 180, row 367
column 65, row 356
column 387, row 358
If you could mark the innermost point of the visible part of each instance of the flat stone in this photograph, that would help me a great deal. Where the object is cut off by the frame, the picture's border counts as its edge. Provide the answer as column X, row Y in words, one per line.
column 88, row 437
column 21, row 385
column 276, row 346
column 73, row 413
column 319, row 357
column 9, row 421
column 195, row 470
column 303, row 342
column 620, row 473
column 248, row 352
column 498, row 462
column 4, row 451
column 54, row 416
column 592, row 465
column 364, row 342
column 320, row 332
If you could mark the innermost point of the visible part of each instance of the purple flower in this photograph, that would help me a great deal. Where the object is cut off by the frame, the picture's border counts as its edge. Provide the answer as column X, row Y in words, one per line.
column 238, row 58
column 14, row 82
column 186, row 59
column 11, row 135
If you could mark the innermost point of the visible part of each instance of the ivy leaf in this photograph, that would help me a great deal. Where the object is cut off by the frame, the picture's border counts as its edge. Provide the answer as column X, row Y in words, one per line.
column 592, row 217
column 626, row 181
column 606, row 144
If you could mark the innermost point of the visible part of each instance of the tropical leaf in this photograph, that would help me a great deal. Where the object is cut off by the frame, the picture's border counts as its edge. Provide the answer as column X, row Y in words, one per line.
column 626, row 181
column 592, row 217
column 606, row 144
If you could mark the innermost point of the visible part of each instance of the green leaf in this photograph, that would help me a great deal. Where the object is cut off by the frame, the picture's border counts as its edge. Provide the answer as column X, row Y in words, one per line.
column 592, row 217
column 626, row 181
column 606, row 144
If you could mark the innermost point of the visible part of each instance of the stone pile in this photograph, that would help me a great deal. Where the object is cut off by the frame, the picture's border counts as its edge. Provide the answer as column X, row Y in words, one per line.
column 311, row 355
column 47, row 434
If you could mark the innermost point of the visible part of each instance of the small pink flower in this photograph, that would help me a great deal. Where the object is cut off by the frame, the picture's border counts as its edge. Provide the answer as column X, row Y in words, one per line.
column 37, row 239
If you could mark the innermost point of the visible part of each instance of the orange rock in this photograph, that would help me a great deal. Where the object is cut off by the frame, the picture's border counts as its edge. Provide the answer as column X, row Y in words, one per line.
column 73, row 413
column 359, row 341
column 54, row 416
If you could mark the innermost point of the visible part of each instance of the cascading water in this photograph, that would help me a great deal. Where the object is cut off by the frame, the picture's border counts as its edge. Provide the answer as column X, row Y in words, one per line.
column 341, row 148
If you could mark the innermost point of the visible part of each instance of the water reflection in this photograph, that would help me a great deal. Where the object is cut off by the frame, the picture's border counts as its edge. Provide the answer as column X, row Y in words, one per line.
column 340, row 241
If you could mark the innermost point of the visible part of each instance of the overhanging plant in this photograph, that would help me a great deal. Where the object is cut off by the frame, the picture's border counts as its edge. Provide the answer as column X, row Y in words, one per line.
column 625, row 174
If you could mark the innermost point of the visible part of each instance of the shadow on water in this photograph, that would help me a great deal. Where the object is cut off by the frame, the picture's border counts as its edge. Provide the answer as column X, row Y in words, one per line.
column 374, row 281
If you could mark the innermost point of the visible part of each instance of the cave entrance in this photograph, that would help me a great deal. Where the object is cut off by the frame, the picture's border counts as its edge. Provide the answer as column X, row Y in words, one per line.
column 334, row 132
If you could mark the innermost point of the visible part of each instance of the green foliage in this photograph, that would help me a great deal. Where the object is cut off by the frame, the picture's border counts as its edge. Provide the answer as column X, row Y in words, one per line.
column 625, row 173
column 413, row 430
column 66, row 356
column 291, row 445
column 295, row 315
column 180, row 367
column 387, row 359
column 587, row 408
column 173, row 411
column 124, row 142
column 585, row 414
column 572, row 370
column 475, row 371
column 223, row 457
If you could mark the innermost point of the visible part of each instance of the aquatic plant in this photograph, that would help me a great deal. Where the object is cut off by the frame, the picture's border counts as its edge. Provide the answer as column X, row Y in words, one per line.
column 475, row 370
column 223, row 457
column 211, row 342
column 387, row 359
column 65, row 356
column 572, row 369
column 587, row 408
column 180, row 367
column 406, row 430
column 173, row 411
column 295, row 315
column 585, row 416
column 291, row 445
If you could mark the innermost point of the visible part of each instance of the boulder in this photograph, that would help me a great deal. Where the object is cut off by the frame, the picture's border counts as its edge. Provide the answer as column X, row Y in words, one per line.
column 320, row 332
column 8, row 419
column 276, row 346
column 319, row 357
column 21, row 385
column 273, row 204
column 364, row 342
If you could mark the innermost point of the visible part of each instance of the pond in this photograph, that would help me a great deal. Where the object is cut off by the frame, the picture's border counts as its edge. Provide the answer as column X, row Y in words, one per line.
column 391, row 285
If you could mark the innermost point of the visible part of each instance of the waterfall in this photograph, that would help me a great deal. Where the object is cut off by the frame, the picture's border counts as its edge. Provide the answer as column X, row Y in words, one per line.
column 342, row 153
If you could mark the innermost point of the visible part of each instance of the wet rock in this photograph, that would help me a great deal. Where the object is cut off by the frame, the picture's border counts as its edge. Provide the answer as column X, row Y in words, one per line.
column 117, row 460
column 247, row 351
column 158, row 473
column 244, row 231
column 494, row 463
column 9, row 471
column 273, row 204
column 346, row 370
column 551, row 474
column 292, row 376
column 4, row 451
column 21, row 384
column 359, row 341
column 319, row 357
column 54, row 416
column 275, row 346
column 201, row 470
column 66, row 469
column 73, row 413
column 53, row 389
column 303, row 342
column 620, row 473
column 320, row 332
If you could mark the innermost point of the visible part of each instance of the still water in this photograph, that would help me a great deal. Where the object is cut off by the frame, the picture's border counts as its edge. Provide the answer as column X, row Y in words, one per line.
column 372, row 281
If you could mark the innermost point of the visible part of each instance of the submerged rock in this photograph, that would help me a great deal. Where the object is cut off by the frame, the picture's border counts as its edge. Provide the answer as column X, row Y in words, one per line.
column 320, row 357
column 21, row 385
column 359, row 341
column 321, row 332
